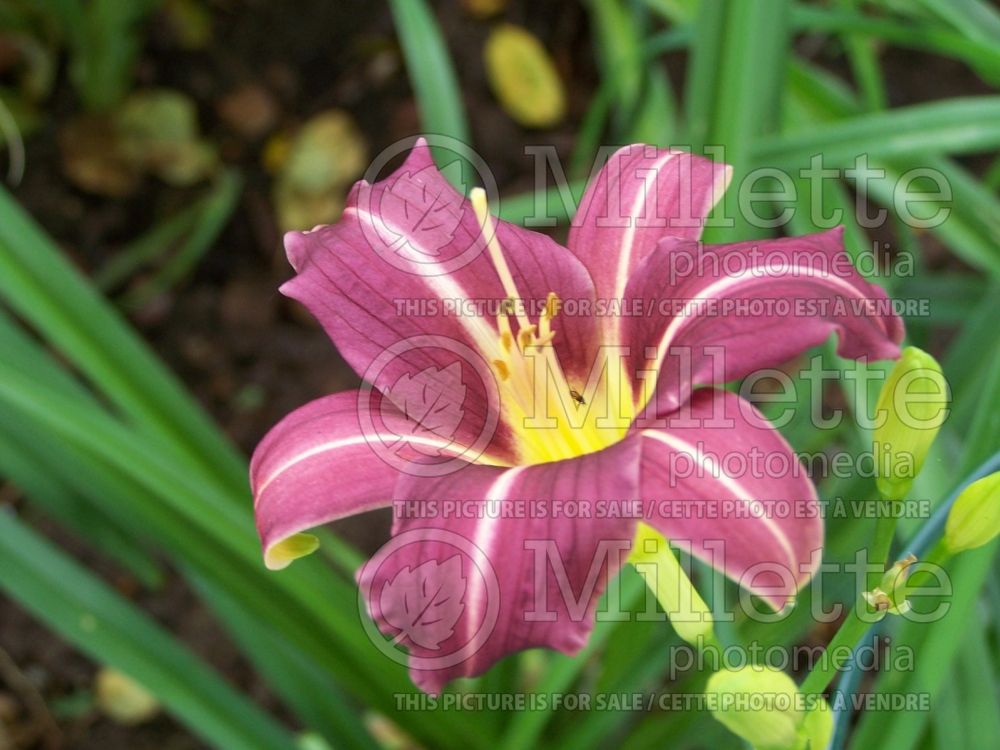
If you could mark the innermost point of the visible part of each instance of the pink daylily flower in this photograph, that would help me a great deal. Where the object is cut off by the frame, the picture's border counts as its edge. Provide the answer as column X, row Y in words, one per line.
column 529, row 408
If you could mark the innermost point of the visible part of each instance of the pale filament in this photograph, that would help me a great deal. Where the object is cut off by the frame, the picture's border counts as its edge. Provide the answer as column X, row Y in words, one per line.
column 513, row 361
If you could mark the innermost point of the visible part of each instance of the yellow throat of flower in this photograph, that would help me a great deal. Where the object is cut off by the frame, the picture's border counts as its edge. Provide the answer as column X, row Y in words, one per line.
column 553, row 417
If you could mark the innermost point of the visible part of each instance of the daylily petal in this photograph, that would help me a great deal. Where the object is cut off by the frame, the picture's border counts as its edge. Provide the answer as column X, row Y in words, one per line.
column 405, row 287
column 640, row 196
column 462, row 591
column 316, row 465
column 722, row 479
column 728, row 326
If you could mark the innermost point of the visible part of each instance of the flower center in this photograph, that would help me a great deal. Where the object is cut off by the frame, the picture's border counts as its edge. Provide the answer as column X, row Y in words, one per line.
column 552, row 417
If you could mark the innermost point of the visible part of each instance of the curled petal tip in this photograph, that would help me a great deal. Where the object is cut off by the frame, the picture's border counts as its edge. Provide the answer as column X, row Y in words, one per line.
column 282, row 554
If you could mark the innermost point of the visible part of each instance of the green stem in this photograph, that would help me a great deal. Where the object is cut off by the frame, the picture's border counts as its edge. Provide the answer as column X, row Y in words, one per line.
column 885, row 530
column 838, row 652
column 854, row 627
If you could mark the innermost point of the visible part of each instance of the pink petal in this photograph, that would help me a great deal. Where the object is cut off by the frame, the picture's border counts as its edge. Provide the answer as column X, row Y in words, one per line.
column 315, row 466
column 714, row 340
column 640, row 196
column 462, row 592
column 390, row 280
column 723, row 480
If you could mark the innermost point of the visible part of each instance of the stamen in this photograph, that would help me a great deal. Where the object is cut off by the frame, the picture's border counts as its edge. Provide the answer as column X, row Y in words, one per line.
column 478, row 198
column 530, row 404
column 526, row 336
column 502, row 369
column 552, row 305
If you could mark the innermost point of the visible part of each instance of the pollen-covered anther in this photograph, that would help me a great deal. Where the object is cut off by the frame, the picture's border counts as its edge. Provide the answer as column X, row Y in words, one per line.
column 552, row 305
column 503, row 370
column 526, row 337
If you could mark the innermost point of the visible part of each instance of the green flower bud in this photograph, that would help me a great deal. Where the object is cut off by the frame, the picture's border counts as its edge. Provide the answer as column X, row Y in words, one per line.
column 974, row 519
column 764, row 707
column 911, row 408
column 817, row 727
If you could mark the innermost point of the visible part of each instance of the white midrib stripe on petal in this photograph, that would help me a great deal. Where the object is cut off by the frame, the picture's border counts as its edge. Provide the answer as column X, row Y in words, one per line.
column 722, row 286
column 627, row 247
column 442, row 283
column 483, row 541
column 738, row 491
column 349, row 442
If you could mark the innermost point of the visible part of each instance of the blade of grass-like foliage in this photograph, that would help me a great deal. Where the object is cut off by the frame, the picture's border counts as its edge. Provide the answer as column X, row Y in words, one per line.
column 52, row 296
column 947, row 719
column 61, row 501
column 983, row 56
column 525, row 727
column 975, row 676
column 94, row 618
column 306, row 603
column 974, row 18
column 864, row 65
column 938, row 643
column 179, row 503
column 743, row 100
column 106, row 47
column 214, row 212
column 971, row 230
column 655, row 118
column 935, row 646
column 956, row 126
column 151, row 247
column 439, row 96
column 317, row 701
column 703, row 72
column 964, row 363
column 619, row 44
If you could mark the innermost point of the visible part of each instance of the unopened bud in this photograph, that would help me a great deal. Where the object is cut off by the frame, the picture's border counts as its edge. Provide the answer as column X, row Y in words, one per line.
column 974, row 519
column 911, row 407
column 763, row 706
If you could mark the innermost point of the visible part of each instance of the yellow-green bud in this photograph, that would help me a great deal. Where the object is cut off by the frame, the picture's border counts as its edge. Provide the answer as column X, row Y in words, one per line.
column 764, row 707
column 817, row 727
column 911, row 408
column 974, row 519
column 656, row 563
